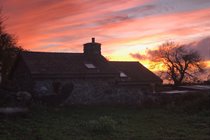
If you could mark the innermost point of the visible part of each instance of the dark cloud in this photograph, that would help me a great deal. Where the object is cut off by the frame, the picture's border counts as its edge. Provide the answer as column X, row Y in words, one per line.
column 203, row 47
column 59, row 39
column 138, row 56
column 134, row 12
column 113, row 19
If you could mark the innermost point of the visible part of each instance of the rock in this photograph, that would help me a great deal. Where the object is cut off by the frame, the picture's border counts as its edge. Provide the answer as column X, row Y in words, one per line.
column 12, row 110
column 23, row 98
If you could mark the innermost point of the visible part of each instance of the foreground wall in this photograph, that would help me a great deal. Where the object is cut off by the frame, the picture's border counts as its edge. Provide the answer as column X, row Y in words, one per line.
column 90, row 91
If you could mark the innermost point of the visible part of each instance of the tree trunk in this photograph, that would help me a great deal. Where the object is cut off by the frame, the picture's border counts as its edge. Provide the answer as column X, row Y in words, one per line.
column 177, row 83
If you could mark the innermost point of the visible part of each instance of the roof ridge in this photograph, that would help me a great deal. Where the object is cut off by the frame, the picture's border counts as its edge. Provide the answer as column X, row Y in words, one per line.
column 124, row 61
column 50, row 52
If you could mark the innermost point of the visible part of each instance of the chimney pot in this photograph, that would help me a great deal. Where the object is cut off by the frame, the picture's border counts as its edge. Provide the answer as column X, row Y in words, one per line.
column 93, row 40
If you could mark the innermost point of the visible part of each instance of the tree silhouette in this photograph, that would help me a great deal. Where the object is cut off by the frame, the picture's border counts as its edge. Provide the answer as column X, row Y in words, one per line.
column 179, row 63
column 8, row 49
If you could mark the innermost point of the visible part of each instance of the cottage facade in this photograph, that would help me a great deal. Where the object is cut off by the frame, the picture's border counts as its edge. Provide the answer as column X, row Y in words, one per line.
column 89, row 76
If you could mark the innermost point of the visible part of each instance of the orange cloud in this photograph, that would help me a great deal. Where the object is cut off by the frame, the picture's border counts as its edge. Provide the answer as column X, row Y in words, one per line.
column 122, row 26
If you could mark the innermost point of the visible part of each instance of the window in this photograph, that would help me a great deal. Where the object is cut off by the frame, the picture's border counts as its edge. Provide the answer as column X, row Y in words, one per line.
column 90, row 66
column 123, row 75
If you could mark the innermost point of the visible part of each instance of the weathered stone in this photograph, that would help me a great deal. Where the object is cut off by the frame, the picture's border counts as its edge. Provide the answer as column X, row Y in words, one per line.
column 12, row 110
column 91, row 92
column 23, row 98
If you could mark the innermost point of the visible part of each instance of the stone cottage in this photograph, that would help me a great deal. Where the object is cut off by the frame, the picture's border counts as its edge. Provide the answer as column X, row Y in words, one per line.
column 89, row 76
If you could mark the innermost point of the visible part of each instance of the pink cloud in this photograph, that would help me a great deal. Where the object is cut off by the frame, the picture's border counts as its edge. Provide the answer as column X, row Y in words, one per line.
column 64, row 25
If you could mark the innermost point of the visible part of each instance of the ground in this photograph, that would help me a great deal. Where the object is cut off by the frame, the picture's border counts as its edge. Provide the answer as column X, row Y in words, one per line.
column 110, row 123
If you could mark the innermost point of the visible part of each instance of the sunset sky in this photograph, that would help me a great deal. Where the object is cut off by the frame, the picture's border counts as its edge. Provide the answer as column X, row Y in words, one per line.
column 126, row 28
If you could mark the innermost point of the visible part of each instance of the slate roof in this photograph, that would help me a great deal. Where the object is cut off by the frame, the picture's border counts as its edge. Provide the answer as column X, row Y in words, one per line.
column 58, row 65
column 136, row 72
column 47, row 63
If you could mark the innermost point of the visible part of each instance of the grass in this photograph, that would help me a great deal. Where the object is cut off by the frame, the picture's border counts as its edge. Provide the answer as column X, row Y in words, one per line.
column 47, row 123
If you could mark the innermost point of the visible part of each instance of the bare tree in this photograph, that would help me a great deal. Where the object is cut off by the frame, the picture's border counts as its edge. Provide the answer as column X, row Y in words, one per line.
column 178, row 62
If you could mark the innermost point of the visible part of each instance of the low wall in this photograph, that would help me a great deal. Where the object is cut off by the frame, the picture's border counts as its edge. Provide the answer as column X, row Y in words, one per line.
column 91, row 92
column 111, row 96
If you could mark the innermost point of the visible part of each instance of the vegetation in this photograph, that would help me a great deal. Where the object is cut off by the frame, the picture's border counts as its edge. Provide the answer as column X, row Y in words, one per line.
column 180, row 64
column 8, row 49
column 181, row 120
column 102, row 125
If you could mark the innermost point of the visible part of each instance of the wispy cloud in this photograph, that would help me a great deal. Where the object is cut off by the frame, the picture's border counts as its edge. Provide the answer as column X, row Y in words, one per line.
column 120, row 25
column 201, row 46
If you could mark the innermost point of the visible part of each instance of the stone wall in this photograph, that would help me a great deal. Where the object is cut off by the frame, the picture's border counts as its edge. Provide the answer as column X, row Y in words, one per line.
column 91, row 91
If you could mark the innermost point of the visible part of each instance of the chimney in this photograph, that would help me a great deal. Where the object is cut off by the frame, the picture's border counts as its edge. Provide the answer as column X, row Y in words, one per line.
column 92, row 48
column 93, row 40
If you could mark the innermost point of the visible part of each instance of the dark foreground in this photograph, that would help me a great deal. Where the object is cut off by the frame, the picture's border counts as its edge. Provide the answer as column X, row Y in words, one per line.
column 45, row 123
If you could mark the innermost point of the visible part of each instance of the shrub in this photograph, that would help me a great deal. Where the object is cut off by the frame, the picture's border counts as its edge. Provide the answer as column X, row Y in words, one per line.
column 23, row 96
column 103, row 125
column 198, row 103
column 190, row 102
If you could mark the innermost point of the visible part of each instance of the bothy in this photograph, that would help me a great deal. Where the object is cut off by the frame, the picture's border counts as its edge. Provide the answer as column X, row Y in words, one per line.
column 87, row 78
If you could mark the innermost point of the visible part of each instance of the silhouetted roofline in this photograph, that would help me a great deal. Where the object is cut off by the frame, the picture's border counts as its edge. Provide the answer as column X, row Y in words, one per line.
column 136, row 72
column 49, row 52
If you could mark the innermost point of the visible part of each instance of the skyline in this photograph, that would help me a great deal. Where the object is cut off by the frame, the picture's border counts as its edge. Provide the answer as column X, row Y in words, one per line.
column 125, row 28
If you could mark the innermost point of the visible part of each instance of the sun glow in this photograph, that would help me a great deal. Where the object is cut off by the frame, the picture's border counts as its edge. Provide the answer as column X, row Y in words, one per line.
column 208, row 64
column 147, row 63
